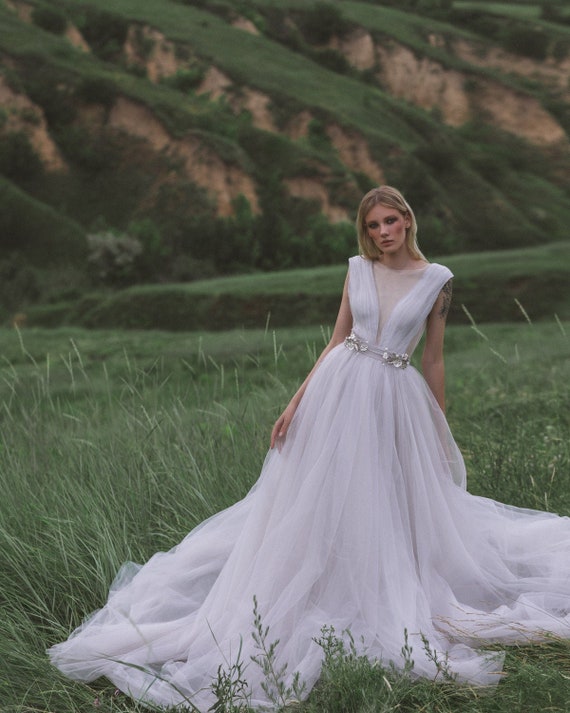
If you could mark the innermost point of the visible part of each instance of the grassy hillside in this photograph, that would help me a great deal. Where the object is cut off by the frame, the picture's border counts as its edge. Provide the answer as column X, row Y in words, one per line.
column 228, row 137
column 488, row 284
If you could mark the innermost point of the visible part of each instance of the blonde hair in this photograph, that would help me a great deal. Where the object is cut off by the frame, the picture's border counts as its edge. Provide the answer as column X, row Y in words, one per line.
column 390, row 198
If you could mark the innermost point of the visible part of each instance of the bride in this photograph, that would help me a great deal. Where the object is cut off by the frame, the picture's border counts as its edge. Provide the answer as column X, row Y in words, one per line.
column 359, row 520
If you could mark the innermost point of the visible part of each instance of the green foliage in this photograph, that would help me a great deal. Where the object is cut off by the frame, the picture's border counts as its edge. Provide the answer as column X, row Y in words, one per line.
column 37, row 231
column 555, row 12
column 331, row 59
column 450, row 176
column 18, row 160
column 50, row 88
column 104, row 31
column 113, row 257
column 527, row 41
column 487, row 283
column 322, row 21
column 49, row 19
column 186, row 80
column 230, row 687
column 18, row 284
column 274, row 686
column 97, row 90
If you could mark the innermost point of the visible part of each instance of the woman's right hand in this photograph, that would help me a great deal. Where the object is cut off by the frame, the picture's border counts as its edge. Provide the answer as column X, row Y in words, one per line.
column 282, row 425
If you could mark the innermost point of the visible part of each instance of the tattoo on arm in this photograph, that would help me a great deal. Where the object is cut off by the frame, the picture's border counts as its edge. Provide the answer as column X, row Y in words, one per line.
column 447, row 289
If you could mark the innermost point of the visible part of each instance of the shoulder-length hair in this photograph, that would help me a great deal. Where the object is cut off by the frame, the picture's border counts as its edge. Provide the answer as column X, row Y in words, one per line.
column 391, row 198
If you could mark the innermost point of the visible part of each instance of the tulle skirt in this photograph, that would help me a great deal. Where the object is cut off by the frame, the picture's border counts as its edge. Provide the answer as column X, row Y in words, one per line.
column 360, row 522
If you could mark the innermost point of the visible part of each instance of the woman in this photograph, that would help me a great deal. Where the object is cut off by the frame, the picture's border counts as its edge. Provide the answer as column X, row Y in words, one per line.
column 359, row 520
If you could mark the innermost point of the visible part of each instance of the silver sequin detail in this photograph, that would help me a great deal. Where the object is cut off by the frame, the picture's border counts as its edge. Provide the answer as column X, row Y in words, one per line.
column 400, row 361
column 356, row 344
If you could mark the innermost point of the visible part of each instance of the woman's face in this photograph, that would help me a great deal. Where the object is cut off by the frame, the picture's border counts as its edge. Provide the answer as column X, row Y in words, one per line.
column 387, row 228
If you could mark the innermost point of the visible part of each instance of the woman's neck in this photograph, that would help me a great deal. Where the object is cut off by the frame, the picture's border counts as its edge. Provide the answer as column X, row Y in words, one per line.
column 402, row 260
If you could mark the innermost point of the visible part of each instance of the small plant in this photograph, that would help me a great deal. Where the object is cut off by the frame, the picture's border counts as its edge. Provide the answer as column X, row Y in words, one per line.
column 441, row 665
column 230, row 687
column 113, row 257
column 276, row 689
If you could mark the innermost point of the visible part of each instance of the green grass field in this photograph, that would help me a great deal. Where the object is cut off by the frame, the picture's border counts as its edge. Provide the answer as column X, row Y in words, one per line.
column 115, row 444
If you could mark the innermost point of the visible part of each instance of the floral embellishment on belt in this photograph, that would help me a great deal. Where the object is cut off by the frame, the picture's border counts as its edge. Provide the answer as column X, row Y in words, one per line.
column 400, row 361
column 356, row 344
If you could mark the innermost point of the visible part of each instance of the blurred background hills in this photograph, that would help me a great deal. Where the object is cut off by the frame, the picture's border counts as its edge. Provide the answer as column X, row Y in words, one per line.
column 168, row 141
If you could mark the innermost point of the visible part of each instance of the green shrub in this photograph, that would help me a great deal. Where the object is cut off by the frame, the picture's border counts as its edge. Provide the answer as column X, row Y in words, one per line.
column 18, row 160
column 561, row 49
column 113, row 258
column 185, row 80
column 51, row 88
column 105, row 32
column 49, row 19
column 18, row 283
column 151, row 263
column 332, row 59
column 527, row 41
column 36, row 230
column 441, row 159
column 97, row 90
column 323, row 21
column 486, row 24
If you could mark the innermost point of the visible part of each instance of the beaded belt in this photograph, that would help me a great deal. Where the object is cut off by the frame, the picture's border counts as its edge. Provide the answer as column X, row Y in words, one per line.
column 356, row 344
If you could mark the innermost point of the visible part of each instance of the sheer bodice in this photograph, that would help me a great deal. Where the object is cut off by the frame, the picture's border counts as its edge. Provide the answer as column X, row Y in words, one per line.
column 398, row 322
column 392, row 285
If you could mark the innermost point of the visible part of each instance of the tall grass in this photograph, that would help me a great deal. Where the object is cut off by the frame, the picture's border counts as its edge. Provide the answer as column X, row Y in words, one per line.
column 115, row 445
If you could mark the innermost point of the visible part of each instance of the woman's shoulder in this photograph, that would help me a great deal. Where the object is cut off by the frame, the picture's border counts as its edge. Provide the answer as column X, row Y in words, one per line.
column 357, row 262
column 440, row 269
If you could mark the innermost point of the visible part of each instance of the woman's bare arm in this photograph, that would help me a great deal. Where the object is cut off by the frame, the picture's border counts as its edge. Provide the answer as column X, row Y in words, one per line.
column 432, row 358
column 342, row 328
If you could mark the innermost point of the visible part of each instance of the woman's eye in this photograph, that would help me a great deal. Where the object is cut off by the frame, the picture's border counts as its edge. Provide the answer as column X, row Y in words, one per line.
column 373, row 225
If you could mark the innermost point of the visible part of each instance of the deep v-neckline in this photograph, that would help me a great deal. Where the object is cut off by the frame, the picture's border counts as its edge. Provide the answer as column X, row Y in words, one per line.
column 398, row 306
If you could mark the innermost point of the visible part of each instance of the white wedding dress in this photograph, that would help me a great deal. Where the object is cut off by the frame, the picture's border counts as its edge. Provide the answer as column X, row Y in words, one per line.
column 360, row 522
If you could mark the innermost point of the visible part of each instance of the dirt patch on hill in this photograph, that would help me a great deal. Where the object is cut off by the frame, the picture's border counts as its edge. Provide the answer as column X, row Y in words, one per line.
column 298, row 126
column 218, row 85
column 242, row 23
column 554, row 73
column 354, row 152
column 148, row 48
column 201, row 163
column 313, row 189
column 459, row 98
column 209, row 170
column 22, row 9
column 518, row 113
column 259, row 106
column 23, row 116
column 76, row 38
column 137, row 120
column 357, row 47
column 215, row 83
column 423, row 82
